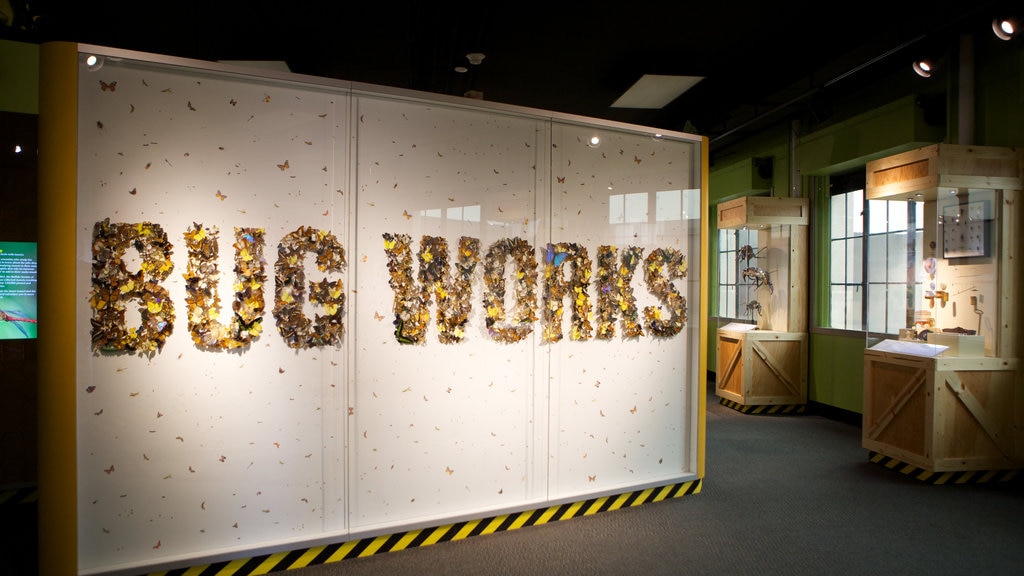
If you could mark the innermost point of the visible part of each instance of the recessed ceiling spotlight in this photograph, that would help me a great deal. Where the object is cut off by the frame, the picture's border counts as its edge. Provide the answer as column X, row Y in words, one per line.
column 461, row 69
column 594, row 141
column 1003, row 28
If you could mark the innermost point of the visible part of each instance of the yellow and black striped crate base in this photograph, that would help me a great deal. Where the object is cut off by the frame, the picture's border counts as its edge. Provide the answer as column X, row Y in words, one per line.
column 329, row 553
column 773, row 409
column 962, row 477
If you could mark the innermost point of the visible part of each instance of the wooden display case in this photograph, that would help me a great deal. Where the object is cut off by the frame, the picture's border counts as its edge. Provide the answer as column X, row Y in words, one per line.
column 961, row 408
column 944, row 414
column 920, row 174
column 758, row 211
column 762, row 370
column 765, row 369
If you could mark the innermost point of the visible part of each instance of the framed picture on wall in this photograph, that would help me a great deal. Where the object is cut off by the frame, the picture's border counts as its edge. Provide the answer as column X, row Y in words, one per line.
column 966, row 228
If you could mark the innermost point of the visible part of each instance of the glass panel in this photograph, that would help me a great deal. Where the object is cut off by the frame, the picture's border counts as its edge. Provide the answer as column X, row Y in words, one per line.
column 837, row 262
column 854, row 306
column 636, row 207
column 918, row 296
column 962, row 293
column 837, row 211
column 897, row 216
column 728, row 298
column 837, row 307
column 646, row 234
column 876, row 264
column 855, row 213
column 727, row 239
column 919, row 254
column 725, row 260
column 878, row 216
column 876, row 307
column 897, row 257
column 896, row 317
column 616, row 209
column 668, row 205
column 438, row 241
column 854, row 255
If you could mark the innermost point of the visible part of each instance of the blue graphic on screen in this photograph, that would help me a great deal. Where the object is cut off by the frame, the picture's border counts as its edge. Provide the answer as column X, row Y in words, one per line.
column 18, row 285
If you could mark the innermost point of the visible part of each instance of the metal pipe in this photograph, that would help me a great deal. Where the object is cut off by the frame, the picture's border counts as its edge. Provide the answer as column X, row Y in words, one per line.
column 811, row 92
column 965, row 91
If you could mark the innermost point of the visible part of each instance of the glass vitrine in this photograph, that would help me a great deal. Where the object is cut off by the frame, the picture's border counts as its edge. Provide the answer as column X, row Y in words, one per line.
column 762, row 363
column 945, row 395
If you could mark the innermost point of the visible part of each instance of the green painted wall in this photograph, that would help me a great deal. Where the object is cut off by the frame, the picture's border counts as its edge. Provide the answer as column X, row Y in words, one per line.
column 19, row 77
column 835, row 376
column 872, row 122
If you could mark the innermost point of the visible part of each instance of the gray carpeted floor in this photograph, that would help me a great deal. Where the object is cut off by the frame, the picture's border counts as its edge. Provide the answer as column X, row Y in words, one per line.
column 787, row 495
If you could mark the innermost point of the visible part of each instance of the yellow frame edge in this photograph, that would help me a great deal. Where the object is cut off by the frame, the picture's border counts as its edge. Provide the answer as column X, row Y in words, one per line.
column 705, row 239
column 58, row 174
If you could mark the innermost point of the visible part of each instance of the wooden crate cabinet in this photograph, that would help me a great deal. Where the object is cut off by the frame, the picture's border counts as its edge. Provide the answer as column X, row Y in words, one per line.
column 760, row 211
column 944, row 414
column 920, row 174
column 767, row 367
column 762, row 367
column 962, row 410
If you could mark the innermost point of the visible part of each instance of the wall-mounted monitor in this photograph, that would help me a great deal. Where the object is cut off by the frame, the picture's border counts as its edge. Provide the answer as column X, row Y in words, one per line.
column 18, row 284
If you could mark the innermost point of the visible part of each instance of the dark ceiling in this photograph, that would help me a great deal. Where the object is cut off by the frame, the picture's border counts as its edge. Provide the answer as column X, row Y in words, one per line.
column 762, row 62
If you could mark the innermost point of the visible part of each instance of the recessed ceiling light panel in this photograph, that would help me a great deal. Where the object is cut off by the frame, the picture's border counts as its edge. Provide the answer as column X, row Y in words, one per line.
column 653, row 91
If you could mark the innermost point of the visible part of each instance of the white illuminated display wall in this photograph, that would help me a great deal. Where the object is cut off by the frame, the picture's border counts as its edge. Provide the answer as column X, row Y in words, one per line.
column 357, row 414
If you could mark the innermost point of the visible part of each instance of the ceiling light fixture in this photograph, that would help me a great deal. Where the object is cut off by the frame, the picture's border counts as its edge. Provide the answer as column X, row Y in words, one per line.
column 93, row 62
column 923, row 68
column 594, row 141
column 1004, row 28
column 461, row 69
column 654, row 91
column 475, row 58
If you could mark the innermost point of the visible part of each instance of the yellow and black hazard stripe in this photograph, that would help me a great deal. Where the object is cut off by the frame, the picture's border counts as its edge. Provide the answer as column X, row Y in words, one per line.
column 336, row 552
column 774, row 409
column 930, row 477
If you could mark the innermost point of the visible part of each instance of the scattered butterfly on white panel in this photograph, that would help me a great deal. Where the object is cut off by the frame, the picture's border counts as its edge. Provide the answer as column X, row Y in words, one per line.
column 625, row 397
column 439, row 427
column 202, row 447
column 469, row 312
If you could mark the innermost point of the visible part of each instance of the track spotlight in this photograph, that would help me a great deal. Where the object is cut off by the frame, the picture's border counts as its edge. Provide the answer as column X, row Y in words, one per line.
column 1004, row 28
column 923, row 68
